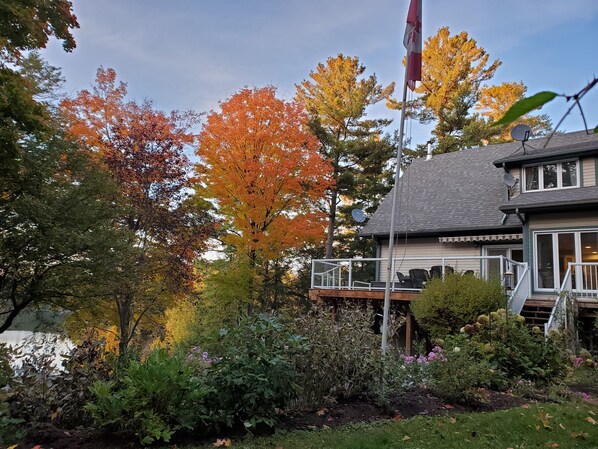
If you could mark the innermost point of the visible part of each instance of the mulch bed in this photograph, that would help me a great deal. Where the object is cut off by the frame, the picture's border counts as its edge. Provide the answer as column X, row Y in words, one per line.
column 419, row 402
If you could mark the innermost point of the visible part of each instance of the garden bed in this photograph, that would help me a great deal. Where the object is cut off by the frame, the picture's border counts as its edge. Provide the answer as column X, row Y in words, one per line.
column 419, row 402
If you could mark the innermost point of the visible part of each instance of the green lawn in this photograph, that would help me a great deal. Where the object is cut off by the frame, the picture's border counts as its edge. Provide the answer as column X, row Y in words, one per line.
column 539, row 426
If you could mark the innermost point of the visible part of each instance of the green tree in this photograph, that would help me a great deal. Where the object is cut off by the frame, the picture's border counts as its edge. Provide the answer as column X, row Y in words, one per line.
column 26, row 25
column 336, row 96
column 54, row 228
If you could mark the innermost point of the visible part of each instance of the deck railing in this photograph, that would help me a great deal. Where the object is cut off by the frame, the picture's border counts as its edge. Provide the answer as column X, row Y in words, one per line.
column 580, row 282
column 370, row 273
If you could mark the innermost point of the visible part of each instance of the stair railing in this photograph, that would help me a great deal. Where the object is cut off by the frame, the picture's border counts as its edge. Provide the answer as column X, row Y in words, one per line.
column 558, row 316
column 521, row 291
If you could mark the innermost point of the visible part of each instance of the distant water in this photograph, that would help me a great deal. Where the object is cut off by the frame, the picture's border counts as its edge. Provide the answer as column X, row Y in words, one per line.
column 40, row 342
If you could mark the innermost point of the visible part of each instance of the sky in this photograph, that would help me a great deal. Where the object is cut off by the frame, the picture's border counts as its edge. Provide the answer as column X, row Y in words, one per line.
column 191, row 54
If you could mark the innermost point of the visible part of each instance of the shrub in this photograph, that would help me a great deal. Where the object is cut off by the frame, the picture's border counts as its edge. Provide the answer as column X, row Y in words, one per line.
column 153, row 399
column 515, row 351
column 344, row 355
column 255, row 377
column 406, row 372
column 459, row 377
column 445, row 305
column 40, row 392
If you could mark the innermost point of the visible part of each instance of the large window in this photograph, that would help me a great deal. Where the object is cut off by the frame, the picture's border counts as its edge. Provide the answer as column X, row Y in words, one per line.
column 554, row 175
column 553, row 251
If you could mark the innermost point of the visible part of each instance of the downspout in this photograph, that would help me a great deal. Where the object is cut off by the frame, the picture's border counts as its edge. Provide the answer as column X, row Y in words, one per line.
column 521, row 218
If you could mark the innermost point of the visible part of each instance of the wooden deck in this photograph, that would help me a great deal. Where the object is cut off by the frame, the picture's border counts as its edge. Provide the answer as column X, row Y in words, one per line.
column 323, row 294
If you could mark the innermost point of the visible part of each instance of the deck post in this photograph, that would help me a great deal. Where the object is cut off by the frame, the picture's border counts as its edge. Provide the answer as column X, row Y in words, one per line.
column 408, row 331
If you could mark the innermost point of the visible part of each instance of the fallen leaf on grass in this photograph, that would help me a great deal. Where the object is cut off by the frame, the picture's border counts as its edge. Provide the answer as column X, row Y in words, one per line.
column 551, row 444
column 12, row 447
column 525, row 406
column 591, row 420
column 448, row 406
column 579, row 435
column 561, row 426
column 321, row 412
column 452, row 420
column 398, row 417
column 225, row 442
column 544, row 418
column 406, row 438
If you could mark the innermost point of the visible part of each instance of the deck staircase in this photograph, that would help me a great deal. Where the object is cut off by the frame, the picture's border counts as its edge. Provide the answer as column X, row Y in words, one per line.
column 536, row 315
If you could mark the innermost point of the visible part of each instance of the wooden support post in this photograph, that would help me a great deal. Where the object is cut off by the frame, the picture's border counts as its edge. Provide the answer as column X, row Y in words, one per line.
column 408, row 332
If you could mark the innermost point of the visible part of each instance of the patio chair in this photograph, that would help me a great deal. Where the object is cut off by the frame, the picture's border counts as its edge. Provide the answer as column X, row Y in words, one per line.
column 419, row 277
column 404, row 281
column 436, row 270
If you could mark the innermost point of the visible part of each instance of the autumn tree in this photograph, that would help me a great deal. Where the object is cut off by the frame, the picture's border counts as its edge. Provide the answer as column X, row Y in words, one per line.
column 165, row 226
column 455, row 73
column 336, row 96
column 494, row 101
column 260, row 163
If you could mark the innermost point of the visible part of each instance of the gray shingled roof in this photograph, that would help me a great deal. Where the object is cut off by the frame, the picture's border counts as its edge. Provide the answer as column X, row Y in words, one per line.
column 460, row 192
column 552, row 198
column 560, row 145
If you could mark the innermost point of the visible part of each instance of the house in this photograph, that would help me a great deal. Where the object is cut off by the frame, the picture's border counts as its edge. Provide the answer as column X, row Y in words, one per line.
column 526, row 212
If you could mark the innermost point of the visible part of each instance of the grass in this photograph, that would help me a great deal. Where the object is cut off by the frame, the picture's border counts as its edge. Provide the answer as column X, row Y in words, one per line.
column 539, row 426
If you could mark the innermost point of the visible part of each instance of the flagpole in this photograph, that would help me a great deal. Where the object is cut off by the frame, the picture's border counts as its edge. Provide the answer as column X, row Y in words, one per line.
column 391, row 233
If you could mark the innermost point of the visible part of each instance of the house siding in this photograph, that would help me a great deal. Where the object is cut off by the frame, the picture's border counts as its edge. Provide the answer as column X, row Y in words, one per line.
column 558, row 221
column 588, row 170
column 432, row 248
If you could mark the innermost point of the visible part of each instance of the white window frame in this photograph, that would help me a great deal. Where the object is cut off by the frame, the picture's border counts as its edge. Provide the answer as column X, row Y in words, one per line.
column 555, row 254
column 559, row 179
column 509, row 249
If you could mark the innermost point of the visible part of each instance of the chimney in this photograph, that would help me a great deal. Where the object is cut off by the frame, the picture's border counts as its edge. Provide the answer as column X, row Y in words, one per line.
column 429, row 155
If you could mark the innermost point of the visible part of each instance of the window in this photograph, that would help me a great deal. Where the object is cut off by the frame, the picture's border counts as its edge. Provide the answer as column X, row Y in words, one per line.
column 554, row 251
column 554, row 175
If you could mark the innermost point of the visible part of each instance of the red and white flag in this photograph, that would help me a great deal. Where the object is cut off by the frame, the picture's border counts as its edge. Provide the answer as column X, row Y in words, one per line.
column 413, row 43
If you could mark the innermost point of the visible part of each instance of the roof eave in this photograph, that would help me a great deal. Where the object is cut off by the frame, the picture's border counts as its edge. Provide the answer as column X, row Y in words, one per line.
column 508, row 162
column 548, row 207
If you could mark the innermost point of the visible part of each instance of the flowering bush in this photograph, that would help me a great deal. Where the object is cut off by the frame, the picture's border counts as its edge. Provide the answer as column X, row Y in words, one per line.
column 514, row 351
column 463, row 373
column 200, row 359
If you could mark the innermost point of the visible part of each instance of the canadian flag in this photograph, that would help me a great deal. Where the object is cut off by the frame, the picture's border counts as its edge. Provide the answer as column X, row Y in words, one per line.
column 413, row 43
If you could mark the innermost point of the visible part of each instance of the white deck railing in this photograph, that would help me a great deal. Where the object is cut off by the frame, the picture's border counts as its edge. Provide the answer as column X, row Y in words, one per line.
column 367, row 273
column 580, row 282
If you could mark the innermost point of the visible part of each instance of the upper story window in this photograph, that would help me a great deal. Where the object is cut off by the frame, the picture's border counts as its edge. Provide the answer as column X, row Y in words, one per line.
column 552, row 175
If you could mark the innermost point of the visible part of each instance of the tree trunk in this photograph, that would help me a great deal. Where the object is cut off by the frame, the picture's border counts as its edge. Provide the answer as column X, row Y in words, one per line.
column 124, row 318
column 331, row 224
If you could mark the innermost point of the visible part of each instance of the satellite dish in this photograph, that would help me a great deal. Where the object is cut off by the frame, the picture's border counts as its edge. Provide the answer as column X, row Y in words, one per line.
column 509, row 180
column 521, row 133
column 358, row 215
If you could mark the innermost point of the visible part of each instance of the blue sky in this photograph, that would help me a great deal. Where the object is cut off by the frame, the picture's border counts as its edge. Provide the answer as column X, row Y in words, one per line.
column 191, row 54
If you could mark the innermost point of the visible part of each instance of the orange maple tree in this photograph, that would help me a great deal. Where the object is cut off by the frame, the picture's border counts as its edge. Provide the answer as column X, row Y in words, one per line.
column 260, row 162
column 143, row 149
